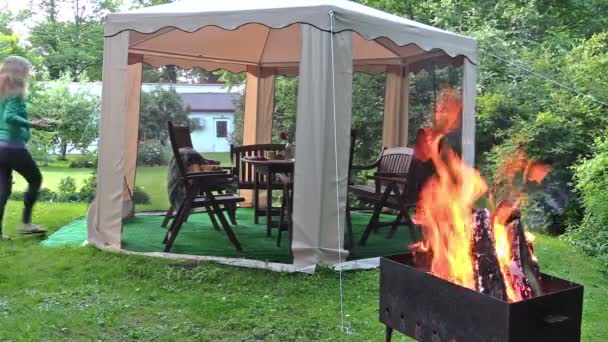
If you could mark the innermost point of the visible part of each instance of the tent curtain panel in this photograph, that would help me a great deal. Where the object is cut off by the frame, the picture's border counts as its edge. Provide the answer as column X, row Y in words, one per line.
column 316, row 233
column 396, row 107
column 104, row 225
column 259, row 106
column 257, row 118
column 131, row 132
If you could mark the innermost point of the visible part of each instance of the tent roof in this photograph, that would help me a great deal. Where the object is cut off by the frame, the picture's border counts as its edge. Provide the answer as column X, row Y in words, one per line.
column 233, row 34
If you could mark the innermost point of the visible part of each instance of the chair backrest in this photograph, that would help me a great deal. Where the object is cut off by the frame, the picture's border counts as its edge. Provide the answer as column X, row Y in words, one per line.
column 182, row 136
column 243, row 170
column 419, row 174
column 175, row 145
column 396, row 160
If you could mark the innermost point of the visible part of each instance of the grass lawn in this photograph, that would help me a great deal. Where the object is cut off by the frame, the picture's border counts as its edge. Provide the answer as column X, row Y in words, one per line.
column 72, row 293
column 52, row 175
column 69, row 293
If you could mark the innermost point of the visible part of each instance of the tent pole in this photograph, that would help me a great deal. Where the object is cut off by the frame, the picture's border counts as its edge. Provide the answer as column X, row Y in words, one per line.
column 469, row 90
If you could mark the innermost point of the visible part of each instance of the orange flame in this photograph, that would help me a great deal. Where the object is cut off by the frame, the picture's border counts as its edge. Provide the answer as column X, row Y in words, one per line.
column 446, row 201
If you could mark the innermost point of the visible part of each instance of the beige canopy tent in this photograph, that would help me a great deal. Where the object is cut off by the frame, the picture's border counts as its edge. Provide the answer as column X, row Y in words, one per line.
column 322, row 41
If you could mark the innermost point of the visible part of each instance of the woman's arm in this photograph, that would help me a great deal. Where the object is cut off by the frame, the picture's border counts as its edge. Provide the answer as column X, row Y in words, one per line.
column 14, row 112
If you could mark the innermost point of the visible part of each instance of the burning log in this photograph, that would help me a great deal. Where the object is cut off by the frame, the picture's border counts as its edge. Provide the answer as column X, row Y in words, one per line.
column 488, row 277
column 524, row 269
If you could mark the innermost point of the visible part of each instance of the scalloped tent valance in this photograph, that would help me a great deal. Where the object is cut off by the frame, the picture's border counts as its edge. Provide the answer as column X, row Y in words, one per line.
column 235, row 34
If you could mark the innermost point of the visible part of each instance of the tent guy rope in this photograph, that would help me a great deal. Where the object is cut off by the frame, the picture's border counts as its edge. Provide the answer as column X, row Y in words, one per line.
column 339, row 222
column 559, row 84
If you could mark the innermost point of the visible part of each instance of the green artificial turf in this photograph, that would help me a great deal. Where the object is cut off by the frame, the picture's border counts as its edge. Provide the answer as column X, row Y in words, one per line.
column 197, row 237
column 72, row 234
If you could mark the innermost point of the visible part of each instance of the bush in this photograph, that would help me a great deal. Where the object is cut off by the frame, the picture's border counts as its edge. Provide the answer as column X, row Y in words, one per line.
column 45, row 195
column 151, row 154
column 88, row 161
column 591, row 176
column 140, row 197
column 559, row 142
column 67, row 190
column 88, row 190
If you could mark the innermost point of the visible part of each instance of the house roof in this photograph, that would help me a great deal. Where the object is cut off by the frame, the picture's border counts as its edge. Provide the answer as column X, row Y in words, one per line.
column 211, row 102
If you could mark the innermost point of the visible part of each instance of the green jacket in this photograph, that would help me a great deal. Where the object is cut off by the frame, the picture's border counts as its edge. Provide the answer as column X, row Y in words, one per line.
column 14, row 125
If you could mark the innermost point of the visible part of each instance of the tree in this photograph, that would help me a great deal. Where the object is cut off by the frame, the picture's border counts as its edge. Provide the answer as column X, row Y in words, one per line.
column 158, row 107
column 173, row 74
column 5, row 19
column 368, row 114
column 73, row 47
column 284, row 115
column 74, row 115
column 10, row 46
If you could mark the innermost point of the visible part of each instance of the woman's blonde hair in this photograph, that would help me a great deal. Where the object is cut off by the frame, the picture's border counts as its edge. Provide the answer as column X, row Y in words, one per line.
column 13, row 76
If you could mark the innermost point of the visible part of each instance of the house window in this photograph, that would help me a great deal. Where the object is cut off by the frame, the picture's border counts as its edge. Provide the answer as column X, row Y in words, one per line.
column 221, row 129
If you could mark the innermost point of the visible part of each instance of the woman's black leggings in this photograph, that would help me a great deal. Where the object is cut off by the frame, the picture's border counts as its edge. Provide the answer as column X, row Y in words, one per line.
column 20, row 160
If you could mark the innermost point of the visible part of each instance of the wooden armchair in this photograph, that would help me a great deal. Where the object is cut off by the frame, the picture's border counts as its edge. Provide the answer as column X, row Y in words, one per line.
column 245, row 173
column 399, row 194
column 199, row 193
column 392, row 174
column 182, row 139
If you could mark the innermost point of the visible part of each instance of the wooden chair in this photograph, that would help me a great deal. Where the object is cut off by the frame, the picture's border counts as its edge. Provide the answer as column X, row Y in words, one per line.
column 245, row 173
column 285, row 222
column 399, row 194
column 392, row 170
column 183, row 139
column 199, row 193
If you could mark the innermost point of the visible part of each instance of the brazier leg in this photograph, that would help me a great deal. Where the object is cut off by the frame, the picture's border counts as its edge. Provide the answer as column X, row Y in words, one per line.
column 389, row 333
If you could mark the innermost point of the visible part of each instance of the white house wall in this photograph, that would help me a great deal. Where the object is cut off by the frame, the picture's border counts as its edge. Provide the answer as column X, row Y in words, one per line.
column 204, row 139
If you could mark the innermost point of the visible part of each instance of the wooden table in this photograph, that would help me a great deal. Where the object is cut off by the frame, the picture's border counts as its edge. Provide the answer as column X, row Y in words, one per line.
column 267, row 169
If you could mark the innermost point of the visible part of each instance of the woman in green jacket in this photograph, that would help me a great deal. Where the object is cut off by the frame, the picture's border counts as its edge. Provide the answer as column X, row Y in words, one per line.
column 14, row 135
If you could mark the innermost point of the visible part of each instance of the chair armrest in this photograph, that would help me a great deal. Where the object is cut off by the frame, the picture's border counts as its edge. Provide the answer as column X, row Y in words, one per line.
column 398, row 180
column 207, row 174
column 391, row 174
column 366, row 167
column 379, row 177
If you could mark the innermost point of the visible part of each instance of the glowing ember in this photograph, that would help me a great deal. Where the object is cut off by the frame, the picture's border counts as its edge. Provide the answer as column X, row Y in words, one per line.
column 446, row 202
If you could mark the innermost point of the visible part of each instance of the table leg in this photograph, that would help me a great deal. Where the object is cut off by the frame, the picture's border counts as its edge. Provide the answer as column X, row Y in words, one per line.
column 268, row 204
column 256, row 197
